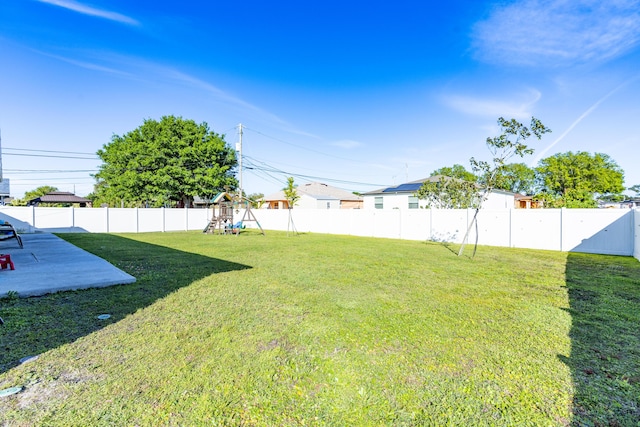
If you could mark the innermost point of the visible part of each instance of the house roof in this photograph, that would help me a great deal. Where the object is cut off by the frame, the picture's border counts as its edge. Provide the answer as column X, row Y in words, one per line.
column 408, row 187
column 58, row 197
column 413, row 186
column 316, row 190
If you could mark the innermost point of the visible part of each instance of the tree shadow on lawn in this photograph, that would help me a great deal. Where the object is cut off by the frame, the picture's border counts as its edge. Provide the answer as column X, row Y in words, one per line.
column 37, row 324
column 604, row 298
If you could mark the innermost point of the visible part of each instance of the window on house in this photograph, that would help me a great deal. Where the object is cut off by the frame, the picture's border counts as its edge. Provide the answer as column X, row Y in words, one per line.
column 413, row 202
column 328, row 205
column 378, row 202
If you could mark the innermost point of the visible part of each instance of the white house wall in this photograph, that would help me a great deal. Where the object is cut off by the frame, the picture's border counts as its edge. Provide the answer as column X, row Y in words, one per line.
column 390, row 201
column 327, row 204
column 306, row 202
column 499, row 201
column 401, row 201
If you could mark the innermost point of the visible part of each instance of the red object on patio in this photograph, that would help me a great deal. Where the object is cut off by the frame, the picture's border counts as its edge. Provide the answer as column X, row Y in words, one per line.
column 5, row 261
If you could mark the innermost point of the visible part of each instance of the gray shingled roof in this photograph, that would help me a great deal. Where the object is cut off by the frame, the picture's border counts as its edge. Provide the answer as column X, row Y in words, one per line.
column 317, row 190
column 58, row 197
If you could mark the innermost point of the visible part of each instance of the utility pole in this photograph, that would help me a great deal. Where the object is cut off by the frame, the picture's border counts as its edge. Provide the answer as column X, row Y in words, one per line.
column 0, row 155
column 239, row 150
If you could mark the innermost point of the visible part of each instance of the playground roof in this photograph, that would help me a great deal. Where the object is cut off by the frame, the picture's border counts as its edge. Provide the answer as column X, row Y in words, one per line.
column 221, row 196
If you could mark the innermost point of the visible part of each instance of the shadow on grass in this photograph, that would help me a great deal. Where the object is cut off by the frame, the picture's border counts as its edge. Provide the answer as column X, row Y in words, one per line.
column 604, row 298
column 37, row 324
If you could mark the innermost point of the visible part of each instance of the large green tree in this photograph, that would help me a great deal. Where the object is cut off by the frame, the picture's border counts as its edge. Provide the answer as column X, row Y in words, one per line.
column 517, row 178
column 256, row 200
column 455, row 171
column 164, row 162
column 449, row 193
column 635, row 189
column 578, row 180
column 455, row 188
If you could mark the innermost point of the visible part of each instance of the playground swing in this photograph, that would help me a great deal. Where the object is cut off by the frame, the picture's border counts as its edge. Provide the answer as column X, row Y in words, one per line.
column 222, row 218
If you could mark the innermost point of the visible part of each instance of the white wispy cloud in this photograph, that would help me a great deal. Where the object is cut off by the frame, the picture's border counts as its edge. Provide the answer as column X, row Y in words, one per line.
column 92, row 11
column 85, row 64
column 519, row 109
column 153, row 70
column 347, row 144
column 558, row 32
column 582, row 116
column 148, row 71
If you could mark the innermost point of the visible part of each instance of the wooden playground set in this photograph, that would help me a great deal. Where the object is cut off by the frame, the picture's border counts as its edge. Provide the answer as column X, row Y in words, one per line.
column 224, row 205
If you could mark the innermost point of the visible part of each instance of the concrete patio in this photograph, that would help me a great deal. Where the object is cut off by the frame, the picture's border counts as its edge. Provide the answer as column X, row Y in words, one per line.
column 49, row 264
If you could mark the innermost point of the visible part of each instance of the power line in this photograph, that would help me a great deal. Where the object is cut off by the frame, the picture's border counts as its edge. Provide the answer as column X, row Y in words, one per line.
column 255, row 166
column 50, row 178
column 50, row 156
column 305, row 148
column 48, row 151
column 268, row 168
column 31, row 171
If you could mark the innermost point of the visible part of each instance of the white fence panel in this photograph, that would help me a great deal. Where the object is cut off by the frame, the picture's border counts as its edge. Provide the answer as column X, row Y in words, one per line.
column 536, row 229
column 21, row 217
column 359, row 222
column 91, row 220
column 385, row 223
column 271, row 219
column 198, row 219
column 150, row 220
column 310, row 220
column 332, row 221
column 415, row 224
column 175, row 219
column 53, row 218
column 123, row 220
column 448, row 225
column 602, row 231
column 493, row 229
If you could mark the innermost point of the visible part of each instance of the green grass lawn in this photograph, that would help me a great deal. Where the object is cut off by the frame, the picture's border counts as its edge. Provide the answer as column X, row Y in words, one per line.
column 328, row 330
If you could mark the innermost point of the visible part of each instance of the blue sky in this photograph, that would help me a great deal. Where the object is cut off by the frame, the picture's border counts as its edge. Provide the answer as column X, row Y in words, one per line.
column 358, row 95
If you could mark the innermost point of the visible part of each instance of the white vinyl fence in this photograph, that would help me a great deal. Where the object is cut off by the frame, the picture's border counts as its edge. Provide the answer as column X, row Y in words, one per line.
column 601, row 231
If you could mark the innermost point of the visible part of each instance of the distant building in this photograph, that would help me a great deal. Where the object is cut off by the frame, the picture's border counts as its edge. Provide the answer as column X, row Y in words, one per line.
column 315, row 195
column 60, row 197
column 403, row 196
column 631, row 203
column 527, row 202
column 4, row 191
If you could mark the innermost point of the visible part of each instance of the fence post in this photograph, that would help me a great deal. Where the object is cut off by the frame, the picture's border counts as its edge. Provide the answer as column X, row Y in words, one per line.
column 73, row 217
column 106, row 216
column 510, row 227
column 562, row 228
column 137, row 220
column 431, row 224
